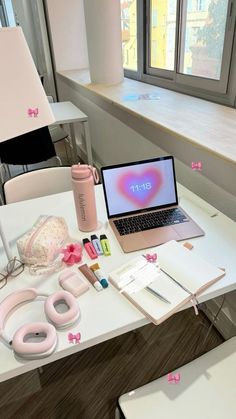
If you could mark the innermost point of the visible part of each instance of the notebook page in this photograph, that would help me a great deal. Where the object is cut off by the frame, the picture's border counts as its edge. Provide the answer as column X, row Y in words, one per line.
column 189, row 269
column 156, row 309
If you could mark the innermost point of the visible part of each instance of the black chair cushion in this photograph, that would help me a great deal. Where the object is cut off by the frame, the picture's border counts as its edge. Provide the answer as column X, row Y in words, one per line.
column 32, row 147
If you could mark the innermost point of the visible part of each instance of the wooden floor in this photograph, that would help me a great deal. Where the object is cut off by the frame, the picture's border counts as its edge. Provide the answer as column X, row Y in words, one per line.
column 87, row 385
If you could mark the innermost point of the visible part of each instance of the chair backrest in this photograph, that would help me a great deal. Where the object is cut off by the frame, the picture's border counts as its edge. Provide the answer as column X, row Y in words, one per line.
column 37, row 183
column 29, row 148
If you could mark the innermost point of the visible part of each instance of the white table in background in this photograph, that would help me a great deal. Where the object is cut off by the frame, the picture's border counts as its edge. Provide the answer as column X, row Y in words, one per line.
column 105, row 314
column 68, row 113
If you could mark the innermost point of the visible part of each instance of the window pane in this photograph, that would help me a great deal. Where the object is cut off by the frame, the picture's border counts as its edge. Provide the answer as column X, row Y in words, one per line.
column 129, row 33
column 162, row 34
column 10, row 13
column 203, row 34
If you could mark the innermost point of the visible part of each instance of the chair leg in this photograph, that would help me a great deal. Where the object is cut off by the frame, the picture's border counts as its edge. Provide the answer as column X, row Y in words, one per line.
column 68, row 143
column 7, row 169
column 59, row 160
column 1, row 173
column 1, row 200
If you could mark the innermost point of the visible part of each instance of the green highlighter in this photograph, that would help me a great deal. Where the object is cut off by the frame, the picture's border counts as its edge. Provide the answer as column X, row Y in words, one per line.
column 105, row 245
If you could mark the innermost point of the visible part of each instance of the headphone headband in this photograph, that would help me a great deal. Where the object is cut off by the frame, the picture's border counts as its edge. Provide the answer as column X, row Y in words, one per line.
column 13, row 300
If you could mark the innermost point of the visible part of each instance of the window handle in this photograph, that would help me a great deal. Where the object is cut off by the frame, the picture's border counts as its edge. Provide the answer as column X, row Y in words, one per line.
column 230, row 15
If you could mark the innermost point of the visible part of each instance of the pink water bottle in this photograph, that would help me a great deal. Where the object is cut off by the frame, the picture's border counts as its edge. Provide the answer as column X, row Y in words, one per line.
column 83, row 179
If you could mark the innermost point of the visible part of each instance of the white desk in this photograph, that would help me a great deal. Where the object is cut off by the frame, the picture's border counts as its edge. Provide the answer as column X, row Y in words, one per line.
column 68, row 113
column 106, row 314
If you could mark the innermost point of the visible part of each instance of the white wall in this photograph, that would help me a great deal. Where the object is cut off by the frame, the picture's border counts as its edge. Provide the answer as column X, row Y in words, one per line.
column 67, row 27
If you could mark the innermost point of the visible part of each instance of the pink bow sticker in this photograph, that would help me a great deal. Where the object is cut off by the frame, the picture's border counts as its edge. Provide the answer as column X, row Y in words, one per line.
column 140, row 189
column 74, row 338
column 33, row 112
column 173, row 378
column 197, row 165
column 151, row 258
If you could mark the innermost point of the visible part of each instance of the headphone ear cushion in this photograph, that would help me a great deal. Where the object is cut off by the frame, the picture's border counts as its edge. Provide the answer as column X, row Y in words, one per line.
column 29, row 349
column 62, row 319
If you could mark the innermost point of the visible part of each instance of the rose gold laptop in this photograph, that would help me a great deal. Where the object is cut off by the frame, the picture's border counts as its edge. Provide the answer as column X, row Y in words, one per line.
column 142, row 204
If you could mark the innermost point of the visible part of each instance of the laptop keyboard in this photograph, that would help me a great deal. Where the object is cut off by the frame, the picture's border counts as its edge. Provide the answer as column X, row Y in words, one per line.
column 150, row 220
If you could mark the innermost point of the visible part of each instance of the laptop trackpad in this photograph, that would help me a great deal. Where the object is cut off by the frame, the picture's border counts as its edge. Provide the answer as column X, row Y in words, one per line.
column 148, row 238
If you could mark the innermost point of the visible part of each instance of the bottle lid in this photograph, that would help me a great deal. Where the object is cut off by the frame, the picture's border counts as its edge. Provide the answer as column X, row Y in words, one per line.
column 104, row 283
column 80, row 171
column 83, row 171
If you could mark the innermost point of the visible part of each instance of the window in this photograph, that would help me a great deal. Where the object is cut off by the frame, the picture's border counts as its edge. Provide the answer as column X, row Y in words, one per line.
column 7, row 17
column 154, row 18
column 163, row 34
column 184, row 45
column 129, row 33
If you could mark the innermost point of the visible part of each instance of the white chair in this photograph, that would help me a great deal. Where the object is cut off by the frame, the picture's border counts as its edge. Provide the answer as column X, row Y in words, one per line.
column 206, row 389
column 37, row 183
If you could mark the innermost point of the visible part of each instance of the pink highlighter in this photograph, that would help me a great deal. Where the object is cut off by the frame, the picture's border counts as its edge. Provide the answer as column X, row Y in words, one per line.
column 90, row 249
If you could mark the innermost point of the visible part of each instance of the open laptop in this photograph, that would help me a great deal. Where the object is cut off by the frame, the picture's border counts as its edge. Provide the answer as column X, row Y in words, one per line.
column 142, row 204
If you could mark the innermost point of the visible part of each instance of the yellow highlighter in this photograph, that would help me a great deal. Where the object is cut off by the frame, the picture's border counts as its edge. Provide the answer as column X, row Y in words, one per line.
column 105, row 245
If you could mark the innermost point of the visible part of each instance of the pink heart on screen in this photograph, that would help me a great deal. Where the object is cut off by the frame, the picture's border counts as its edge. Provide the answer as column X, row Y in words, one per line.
column 140, row 188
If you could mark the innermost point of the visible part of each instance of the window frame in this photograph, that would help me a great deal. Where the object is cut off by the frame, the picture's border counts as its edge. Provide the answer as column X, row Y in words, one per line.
column 223, row 91
column 219, row 86
column 3, row 15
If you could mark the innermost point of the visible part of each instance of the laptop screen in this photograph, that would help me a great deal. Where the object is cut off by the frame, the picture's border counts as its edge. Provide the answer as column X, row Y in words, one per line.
column 139, row 186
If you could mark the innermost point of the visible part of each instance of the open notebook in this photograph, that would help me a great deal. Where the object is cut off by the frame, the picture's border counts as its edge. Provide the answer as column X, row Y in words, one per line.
column 181, row 275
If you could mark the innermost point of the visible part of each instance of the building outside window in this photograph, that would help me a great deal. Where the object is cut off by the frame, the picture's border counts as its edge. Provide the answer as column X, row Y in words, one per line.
column 129, row 33
column 186, row 43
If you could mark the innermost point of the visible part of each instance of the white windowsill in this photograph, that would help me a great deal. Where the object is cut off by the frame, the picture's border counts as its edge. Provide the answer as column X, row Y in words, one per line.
column 205, row 124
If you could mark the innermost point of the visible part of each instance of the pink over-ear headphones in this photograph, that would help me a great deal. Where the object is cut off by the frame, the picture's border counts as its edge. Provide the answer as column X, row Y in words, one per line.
column 21, row 342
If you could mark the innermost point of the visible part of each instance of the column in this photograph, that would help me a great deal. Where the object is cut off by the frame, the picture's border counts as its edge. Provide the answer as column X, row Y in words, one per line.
column 103, row 28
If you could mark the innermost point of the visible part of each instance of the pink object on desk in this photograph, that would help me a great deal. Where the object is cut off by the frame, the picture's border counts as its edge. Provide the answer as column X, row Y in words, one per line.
column 83, row 179
column 72, row 253
column 90, row 249
column 73, row 282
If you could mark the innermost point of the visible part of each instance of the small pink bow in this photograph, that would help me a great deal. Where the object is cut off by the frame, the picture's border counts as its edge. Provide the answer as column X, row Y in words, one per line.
column 33, row 112
column 151, row 258
column 174, row 378
column 197, row 165
column 72, row 253
column 74, row 338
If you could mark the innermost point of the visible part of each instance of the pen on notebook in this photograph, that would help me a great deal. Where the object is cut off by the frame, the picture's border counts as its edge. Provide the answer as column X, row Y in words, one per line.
column 177, row 282
column 157, row 294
